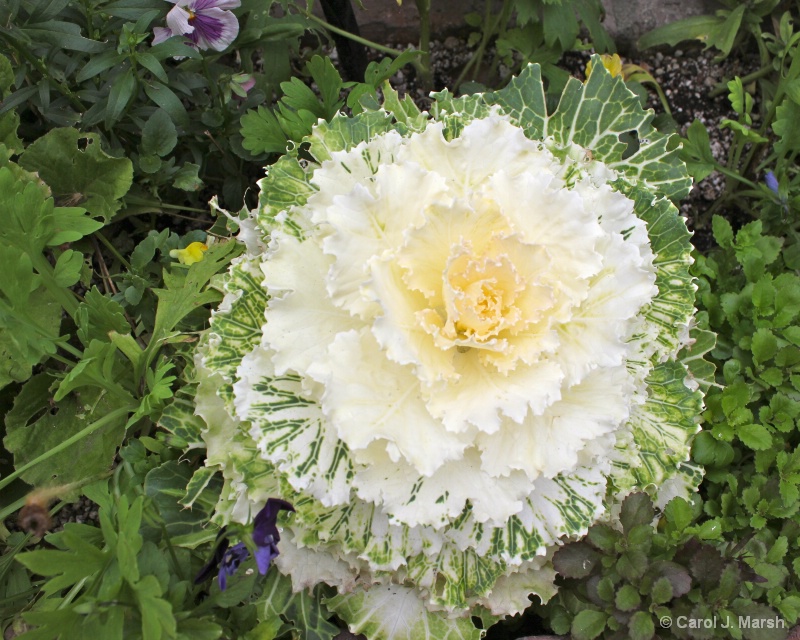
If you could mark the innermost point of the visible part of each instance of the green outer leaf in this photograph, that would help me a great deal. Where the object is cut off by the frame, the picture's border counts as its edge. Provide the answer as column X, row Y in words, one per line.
column 286, row 186
column 344, row 133
column 166, row 485
column 394, row 612
column 179, row 419
column 197, row 485
column 594, row 115
column 304, row 610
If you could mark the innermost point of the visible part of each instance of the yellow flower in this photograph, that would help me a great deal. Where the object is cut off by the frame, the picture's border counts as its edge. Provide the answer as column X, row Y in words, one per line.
column 191, row 254
column 612, row 63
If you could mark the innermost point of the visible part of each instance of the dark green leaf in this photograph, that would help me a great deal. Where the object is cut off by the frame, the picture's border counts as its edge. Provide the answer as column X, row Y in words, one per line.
column 588, row 624
column 661, row 592
column 637, row 509
column 603, row 537
column 159, row 135
column 65, row 35
column 641, row 626
column 755, row 436
column 119, row 96
column 98, row 64
column 165, row 98
column 575, row 560
column 73, row 163
column 35, row 426
column 627, row 598
column 151, row 63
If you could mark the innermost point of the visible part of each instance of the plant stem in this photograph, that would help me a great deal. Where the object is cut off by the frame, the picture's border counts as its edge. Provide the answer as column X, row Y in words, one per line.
column 423, row 64
column 155, row 204
column 722, row 87
column 347, row 34
column 113, row 250
column 42, row 69
column 87, row 431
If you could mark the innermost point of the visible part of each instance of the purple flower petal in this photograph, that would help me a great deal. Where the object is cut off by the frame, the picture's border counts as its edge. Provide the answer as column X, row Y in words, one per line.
column 219, row 552
column 265, row 524
column 265, row 556
column 771, row 182
column 215, row 28
column 178, row 20
column 230, row 562
column 202, row 5
column 160, row 34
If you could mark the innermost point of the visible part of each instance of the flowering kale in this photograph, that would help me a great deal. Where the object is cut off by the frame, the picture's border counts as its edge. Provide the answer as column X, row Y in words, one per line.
column 265, row 538
column 206, row 23
column 460, row 341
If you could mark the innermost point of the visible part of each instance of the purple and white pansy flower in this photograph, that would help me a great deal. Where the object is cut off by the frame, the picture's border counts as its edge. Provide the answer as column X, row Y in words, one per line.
column 208, row 24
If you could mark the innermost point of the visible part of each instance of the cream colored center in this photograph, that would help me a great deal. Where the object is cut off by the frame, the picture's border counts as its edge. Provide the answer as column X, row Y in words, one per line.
column 479, row 296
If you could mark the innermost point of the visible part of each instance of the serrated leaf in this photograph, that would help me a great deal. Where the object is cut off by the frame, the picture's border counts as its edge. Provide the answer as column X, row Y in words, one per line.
column 661, row 591
column 755, row 436
column 262, row 133
column 679, row 514
column 723, row 232
column 603, row 537
column 627, row 598
column 778, row 550
column 588, row 624
column 98, row 315
column 764, row 345
column 637, row 509
column 641, row 626
column 182, row 296
column 158, row 620
column 79, row 560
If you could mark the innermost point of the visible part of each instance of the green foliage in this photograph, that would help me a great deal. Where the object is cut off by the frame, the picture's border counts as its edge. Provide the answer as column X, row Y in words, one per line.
column 533, row 31
column 163, row 107
column 622, row 584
